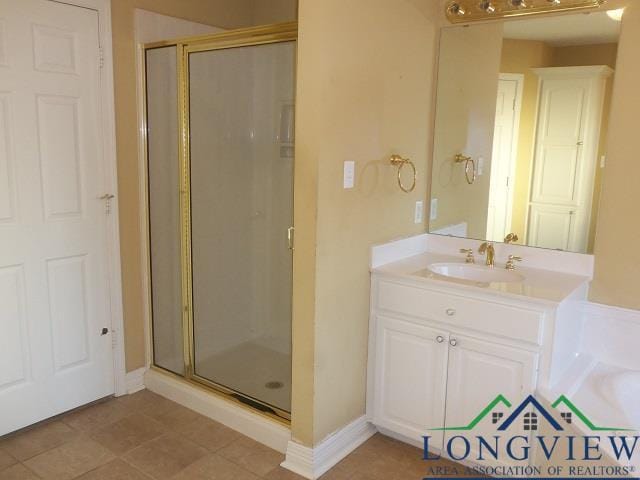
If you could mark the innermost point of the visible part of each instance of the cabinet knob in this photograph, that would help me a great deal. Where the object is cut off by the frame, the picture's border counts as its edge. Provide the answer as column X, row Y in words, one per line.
column 451, row 312
column 453, row 342
column 440, row 339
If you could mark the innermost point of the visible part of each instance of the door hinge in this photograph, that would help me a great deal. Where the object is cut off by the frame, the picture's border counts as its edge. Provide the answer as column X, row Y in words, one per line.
column 514, row 104
column 107, row 197
column 100, row 57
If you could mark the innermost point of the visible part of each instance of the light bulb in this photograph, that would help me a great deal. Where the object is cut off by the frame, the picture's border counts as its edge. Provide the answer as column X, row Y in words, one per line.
column 487, row 6
column 456, row 9
column 616, row 14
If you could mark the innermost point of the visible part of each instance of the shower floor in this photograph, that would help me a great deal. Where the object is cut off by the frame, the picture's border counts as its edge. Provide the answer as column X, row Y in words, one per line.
column 248, row 369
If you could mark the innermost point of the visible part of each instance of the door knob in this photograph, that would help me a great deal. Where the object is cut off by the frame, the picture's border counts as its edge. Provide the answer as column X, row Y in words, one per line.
column 453, row 342
column 440, row 339
column 451, row 312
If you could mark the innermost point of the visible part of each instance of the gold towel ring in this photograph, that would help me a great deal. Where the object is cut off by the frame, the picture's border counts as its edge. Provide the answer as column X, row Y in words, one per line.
column 470, row 176
column 398, row 161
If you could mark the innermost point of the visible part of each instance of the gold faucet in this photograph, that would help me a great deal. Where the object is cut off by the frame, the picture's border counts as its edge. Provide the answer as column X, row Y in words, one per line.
column 487, row 247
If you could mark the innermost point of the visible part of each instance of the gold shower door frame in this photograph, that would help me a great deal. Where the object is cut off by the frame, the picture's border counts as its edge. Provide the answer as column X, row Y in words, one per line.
column 278, row 33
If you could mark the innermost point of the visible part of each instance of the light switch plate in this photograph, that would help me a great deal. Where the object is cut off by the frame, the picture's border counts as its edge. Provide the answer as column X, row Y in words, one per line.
column 349, row 174
column 434, row 209
column 419, row 213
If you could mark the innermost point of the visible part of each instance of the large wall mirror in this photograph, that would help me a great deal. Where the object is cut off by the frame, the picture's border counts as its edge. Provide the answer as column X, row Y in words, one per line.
column 521, row 128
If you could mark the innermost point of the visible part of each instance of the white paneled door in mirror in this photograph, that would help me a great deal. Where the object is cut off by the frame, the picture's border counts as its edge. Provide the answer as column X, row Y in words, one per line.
column 54, row 289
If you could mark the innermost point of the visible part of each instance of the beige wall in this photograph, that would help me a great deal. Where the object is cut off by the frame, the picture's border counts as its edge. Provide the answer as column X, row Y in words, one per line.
column 468, row 74
column 364, row 92
column 221, row 13
column 618, row 232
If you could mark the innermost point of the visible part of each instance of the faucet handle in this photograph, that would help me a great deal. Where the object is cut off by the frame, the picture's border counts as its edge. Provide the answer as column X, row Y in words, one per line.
column 512, row 237
column 469, row 252
column 511, row 263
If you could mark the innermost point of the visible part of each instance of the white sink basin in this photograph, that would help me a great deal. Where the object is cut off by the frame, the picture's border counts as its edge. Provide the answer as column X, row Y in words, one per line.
column 474, row 273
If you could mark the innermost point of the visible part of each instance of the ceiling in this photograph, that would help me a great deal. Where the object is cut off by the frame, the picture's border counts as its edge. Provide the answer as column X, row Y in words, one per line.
column 565, row 30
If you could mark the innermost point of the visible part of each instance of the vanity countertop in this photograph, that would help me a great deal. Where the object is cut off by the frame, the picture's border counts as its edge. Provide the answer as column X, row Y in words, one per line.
column 540, row 286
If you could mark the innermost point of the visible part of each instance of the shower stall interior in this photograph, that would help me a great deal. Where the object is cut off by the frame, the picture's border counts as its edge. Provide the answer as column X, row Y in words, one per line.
column 220, row 157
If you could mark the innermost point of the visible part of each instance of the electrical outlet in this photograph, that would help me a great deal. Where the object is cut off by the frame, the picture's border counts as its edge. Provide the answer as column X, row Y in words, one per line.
column 434, row 209
column 419, row 213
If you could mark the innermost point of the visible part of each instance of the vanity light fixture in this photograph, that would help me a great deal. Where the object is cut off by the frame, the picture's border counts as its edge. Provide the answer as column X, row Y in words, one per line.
column 465, row 11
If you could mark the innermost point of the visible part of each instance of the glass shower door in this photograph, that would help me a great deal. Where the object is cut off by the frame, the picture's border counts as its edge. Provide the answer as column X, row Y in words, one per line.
column 241, row 198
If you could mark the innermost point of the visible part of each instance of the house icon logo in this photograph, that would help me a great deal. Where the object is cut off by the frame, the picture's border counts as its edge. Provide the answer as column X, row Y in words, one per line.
column 531, row 413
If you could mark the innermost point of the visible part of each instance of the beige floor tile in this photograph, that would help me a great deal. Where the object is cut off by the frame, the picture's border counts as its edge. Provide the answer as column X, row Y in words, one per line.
column 209, row 434
column 97, row 416
column 6, row 460
column 18, row 472
column 177, row 416
column 165, row 456
column 337, row 473
column 146, row 402
column 214, row 467
column 115, row 470
column 252, row 456
column 280, row 473
column 70, row 460
column 34, row 441
column 128, row 433
column 358, row 459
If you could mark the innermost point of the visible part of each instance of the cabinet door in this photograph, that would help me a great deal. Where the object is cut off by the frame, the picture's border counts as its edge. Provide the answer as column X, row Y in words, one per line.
column 480, row 371
column 410, row 379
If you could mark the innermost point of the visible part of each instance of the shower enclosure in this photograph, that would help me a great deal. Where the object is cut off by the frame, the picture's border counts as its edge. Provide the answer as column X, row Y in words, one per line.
column 220, row 145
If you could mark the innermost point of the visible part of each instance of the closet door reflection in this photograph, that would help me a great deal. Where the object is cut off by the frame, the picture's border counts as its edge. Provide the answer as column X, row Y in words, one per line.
column 241, row 160
column 164, row 208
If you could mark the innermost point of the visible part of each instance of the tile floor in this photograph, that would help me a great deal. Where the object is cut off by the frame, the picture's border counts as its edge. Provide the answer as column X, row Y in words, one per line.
column 144, row 436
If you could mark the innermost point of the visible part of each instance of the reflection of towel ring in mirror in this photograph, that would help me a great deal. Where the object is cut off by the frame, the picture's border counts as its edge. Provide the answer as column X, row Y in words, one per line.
column 469, row 167
column 398, row 161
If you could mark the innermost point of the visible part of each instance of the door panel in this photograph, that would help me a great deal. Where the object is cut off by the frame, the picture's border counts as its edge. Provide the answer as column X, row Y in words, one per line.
column 562, row 184
column 503, row 157
column 551, row 226
column 479, row 371
column 54, row 292
column 411, row 370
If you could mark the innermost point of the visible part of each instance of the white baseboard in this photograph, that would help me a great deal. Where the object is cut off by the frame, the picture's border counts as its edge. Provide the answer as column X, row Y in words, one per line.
column 268, row 432
column 134, row 381
column 311, row 463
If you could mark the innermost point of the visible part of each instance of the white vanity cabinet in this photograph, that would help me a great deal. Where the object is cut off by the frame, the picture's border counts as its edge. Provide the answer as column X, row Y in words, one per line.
column 438, row 357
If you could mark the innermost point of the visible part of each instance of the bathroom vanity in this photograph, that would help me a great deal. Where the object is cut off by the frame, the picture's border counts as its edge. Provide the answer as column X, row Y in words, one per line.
column 442, row 348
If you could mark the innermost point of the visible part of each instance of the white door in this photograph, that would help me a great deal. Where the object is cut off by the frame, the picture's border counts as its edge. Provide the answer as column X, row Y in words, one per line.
column 503, row 159
column 411, row 375
column 568, row 135
column 54, row 291
column 480, row 371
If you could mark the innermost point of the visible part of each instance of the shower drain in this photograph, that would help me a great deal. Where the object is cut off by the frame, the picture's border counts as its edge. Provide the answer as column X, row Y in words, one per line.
column 274, row 385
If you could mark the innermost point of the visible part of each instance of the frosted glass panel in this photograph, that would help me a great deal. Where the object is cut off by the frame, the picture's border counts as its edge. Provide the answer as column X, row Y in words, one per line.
column 164, row 208
column 241, row 120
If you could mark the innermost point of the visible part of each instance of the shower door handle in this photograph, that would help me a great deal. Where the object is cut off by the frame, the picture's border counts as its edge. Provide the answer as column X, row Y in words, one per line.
column 290, row 237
